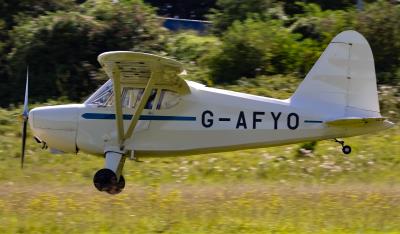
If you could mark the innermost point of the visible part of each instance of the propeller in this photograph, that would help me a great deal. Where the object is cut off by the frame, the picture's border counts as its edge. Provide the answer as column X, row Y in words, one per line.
column 25, row 116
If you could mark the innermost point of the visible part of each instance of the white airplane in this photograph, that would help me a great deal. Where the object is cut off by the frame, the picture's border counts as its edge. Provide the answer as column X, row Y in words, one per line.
column 158, row 113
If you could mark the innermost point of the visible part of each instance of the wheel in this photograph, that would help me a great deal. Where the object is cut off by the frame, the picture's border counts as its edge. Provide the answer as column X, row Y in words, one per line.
column 105, row 180
column 121, row 182
column 118, row 187
column 346, row 149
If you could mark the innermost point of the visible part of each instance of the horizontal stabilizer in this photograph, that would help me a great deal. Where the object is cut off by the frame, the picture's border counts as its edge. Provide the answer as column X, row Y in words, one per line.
column 354, row 121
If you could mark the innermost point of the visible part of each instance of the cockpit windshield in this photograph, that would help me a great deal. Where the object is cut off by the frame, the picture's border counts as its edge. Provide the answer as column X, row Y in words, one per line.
column 102, row 95
column 131, row 97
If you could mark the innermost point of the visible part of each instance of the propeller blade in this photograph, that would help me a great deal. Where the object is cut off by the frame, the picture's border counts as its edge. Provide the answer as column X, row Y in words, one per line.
column 23, row 142
column 25, row 115
column 26, row 109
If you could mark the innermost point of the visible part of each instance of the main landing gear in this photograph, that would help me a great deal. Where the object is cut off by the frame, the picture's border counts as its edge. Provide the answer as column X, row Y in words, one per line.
column 345, row 148
column 110, row 179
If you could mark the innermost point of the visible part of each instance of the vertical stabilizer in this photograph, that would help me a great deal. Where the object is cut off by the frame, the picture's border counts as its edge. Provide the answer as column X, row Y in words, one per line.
column 342, row 82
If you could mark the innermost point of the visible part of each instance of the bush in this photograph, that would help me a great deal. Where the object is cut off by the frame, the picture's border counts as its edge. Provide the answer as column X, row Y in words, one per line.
column 322, row 26
column 229, row 11
column 256, row 47
column 190, row 47
column 380, row 24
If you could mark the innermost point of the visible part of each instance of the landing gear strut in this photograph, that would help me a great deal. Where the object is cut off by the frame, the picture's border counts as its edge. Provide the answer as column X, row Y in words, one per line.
column 345, row 148
column 109, row 179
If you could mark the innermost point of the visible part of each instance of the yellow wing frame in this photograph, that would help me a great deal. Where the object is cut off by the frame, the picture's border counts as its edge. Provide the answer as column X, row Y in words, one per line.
column 140, row 70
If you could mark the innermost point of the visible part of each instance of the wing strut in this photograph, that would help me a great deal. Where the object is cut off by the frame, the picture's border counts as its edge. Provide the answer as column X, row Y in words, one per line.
column 143, row 101
column 122, row 137
column 118, row 105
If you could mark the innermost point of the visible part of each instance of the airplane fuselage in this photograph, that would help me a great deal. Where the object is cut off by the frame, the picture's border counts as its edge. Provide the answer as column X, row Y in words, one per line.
column 206, row 120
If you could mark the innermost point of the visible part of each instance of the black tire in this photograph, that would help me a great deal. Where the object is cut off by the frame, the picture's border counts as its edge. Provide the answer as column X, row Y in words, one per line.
column 346, row 149
column 121, row 182
column 104, row 179
column 116, row 187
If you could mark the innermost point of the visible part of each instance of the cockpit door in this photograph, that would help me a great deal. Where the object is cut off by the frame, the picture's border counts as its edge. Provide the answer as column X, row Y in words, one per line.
column 131, row 98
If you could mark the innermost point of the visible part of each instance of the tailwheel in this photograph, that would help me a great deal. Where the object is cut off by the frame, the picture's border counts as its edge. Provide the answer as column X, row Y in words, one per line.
column 346, row 149
column 105, row 180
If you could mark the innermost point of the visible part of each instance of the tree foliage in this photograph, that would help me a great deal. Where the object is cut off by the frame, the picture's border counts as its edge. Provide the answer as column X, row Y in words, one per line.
column 256, row 47
column 60, row 40
column 263, row 44
column 190, row 47
column 380, row 24
column 322, row 25
column 183, row 8
column 61, row 48
column 292, row 7
column 229, row 11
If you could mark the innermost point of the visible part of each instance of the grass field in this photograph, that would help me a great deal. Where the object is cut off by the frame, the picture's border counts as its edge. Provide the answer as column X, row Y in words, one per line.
column 273, row 190
column 217, row 208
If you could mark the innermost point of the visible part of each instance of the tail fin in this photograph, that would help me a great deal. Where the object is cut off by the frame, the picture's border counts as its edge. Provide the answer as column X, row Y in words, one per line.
column 342, row 82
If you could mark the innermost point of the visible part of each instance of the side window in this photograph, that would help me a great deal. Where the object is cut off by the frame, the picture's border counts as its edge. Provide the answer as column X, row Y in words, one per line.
column 130, row 97
column 168, row 99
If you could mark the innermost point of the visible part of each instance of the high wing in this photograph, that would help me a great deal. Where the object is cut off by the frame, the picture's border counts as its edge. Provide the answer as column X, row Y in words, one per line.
column 142, row 70
column 136, row 69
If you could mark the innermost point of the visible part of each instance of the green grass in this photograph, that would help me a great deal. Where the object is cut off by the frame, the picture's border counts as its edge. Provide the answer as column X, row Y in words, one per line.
column 173, row 208
column 272, row 190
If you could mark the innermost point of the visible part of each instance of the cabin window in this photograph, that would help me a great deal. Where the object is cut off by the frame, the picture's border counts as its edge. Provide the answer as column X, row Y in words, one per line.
column 104, row 96
column 168, row 99
column 130, row 97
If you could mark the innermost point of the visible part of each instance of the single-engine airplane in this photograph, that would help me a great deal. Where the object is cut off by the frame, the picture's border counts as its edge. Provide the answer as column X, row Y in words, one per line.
column 158, row 113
